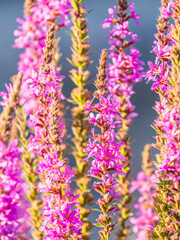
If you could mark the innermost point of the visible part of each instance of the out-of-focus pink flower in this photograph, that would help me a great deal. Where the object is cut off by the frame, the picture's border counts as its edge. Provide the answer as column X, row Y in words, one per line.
column 134, row 15
column 13, row 207
column 107, row 22
column 165, row 11
column 146, row 217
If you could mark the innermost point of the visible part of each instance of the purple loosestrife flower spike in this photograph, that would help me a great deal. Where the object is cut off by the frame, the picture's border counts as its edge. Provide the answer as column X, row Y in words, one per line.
column 61, row 218
column 124, row 70
column 165, row 76
column 31, row 35
column 80, row 95
column 104, row 150
column 13, row 214
column 146, row 217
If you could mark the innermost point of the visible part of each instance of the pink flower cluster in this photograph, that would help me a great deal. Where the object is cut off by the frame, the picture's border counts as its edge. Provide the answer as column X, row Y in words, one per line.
column 42, row 84
column 31, row 35
column 146, row 217
column 12, row 204
column 125, row 67
column 160, row 70
column 61, row 217
column 168, row 120
column 103, row 148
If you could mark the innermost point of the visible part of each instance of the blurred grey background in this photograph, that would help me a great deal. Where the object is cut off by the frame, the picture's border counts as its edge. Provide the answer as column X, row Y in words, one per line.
column 144, row 99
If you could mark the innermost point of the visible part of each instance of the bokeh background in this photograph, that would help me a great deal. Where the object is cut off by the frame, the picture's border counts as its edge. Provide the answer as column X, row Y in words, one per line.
column 144, row 99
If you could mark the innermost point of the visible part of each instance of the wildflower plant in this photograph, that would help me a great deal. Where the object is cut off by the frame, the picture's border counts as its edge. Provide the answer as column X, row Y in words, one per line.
column 165, row 75
column 43, row 194
column 59, row 221
column 124, row 70
column 105, row 150
column 79, row 96
column 146, row 218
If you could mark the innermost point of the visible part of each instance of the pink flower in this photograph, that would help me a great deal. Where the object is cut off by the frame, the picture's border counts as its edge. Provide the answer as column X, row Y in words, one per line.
column 107, row 22
column 134, row 15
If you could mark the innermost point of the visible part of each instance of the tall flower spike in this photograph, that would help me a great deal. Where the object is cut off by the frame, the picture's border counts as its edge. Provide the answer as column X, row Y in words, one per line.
column 124, row 70
column 146, row 217
column 79, row 95
column 38, row 14
column 29, row 159
column 13, row 220
column 61, row 217
column 104, row 151
column 165, row 75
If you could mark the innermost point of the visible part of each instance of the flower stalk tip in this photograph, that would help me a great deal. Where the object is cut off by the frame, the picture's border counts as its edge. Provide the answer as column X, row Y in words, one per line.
column 123, row 71
column 79, row 96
